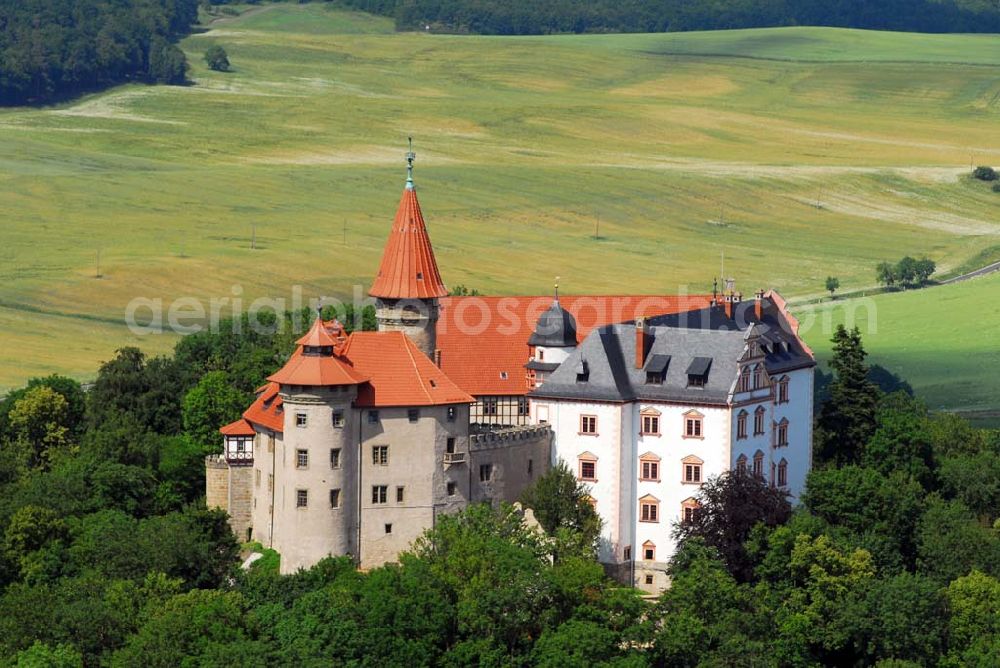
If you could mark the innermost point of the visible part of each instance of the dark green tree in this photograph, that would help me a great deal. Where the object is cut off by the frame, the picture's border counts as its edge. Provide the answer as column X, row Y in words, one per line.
column 832, row 284
column 217, row 59
column 211, row 404
column 729, row 507
column 847, row 420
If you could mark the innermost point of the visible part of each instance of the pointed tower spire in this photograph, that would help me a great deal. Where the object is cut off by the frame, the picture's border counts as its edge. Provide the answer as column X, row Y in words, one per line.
column 408, row 283
column 408, row 269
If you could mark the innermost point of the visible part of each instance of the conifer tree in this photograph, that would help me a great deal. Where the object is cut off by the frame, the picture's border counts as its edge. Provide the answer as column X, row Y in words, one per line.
column 847, row 419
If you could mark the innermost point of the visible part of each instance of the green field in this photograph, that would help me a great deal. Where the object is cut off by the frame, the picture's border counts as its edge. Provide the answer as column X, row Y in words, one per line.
column 798, row 152
column 944, row 340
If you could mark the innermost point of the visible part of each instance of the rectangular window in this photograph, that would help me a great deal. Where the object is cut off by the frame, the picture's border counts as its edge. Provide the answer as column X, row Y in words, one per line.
column 692, row 427
column 335, row 458
column 522, row 405
column 301, row 459
column 783, row 392
column 649, row 579
column 654, row 378
column 256, row 478
column 388, row 528
column 758, row 423
column 783, row 434
column 649, row 554
column 451, row 413
column 449, row 446
column 650, row 425
column 741, row 426
column 758, row 467
column 650, row 470
column 380, row 494
column 692, row 473
column 588, row 424
column 782, row 474
column 335, row 498
column 413, row 415
column 399, row 495
column 301, row 498
column 270, row 442
column 485, row 472
column 270, row 481
column 531, row 466
column 696, row 381
column 380, row 455
column 490, row 406
column 649, row 511
column 452, row 488
column 688, row 514
column 338, row 419
column 300, row 419
column 588, row 470
column 372, row 417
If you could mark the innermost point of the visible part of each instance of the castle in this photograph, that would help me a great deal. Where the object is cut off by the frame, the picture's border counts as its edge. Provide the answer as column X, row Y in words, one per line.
column 360, row 441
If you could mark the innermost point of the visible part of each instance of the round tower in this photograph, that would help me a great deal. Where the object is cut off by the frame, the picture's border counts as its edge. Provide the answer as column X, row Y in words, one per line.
column 551, row 342
column 315, row 508
column 408, row 284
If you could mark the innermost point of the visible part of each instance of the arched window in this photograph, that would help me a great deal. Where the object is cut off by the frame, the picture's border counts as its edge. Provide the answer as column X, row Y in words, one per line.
column 689, row 510
column 783, row 390
column 587, row 467
column 649, row 467
column 741, row 464
column 744, row 384
column 691, row 470
column 782, row 473
column 649, row 551
column 758, row 376
column 758, row 421
column 741, row 424
column 781, row 435
column 649, row 509
column 758, row 464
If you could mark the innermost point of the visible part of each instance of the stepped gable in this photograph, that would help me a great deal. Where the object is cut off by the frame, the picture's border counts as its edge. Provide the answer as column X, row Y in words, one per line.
column 398, row 373
column 408, row 269
column 484, row 340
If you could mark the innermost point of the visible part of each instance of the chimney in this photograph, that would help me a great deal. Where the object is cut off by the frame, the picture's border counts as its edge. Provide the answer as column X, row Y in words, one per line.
column 643, row 342
column 758, row 306
column 437, row 357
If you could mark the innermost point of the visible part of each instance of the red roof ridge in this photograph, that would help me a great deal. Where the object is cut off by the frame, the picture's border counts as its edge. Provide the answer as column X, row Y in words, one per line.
column 409, row 346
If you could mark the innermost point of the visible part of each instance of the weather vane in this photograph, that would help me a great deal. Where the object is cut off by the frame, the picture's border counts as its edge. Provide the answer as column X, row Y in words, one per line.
column 410, row 157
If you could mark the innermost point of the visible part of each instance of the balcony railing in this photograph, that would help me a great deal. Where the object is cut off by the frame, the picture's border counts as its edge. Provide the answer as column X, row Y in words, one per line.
column 454, row 458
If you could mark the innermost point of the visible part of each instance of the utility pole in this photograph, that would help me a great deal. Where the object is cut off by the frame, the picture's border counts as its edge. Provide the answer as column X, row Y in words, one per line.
column 98, row 274
column 253, row 237
column 597, row 228
column 345, row 232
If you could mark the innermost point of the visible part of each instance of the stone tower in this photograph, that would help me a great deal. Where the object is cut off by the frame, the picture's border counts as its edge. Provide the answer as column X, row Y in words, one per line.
column 408, row 283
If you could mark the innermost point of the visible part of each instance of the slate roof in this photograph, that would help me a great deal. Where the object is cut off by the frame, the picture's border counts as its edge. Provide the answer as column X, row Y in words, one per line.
column 710, row 342
column 556, row 328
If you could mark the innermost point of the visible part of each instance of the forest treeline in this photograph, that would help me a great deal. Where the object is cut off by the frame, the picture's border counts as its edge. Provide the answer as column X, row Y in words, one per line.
column 531, row 17
column 51, row 49
column 108, row 556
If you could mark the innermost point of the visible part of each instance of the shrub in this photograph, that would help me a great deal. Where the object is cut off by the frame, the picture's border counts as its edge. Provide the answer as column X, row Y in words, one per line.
column 984, row 173
column 217, row 58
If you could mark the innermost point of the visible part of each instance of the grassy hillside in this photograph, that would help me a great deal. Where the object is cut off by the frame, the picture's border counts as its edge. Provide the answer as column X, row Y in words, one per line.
column 943, row 340
column 774, row 146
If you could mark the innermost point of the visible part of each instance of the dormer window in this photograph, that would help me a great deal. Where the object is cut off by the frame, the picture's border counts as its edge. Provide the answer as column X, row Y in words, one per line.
column 582, row 372
column 697, row 371
column 317, row 351
column 420, row 275
column 656, row 369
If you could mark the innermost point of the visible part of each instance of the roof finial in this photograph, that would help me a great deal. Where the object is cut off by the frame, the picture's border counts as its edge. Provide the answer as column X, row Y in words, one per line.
column 410, row 157
column 557, row 290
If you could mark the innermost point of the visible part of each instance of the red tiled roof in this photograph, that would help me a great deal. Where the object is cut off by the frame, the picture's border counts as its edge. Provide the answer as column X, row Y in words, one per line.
column 408, row 269
column 266, row 410
column 318, row 370
column 320, row 334
column 239, row 428
column 484, row 340
column 398, row 373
